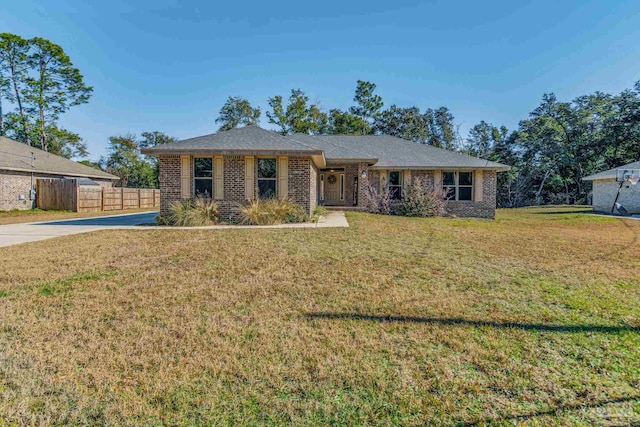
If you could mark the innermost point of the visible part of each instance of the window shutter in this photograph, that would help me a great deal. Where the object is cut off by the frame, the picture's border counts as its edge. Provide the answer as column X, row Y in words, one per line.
column 185, row 177
column 249, row 178
column 406, row 179
column 283, row 177
column 477, row 186
column 437, row 179
column 218, row 177
column 383, row 180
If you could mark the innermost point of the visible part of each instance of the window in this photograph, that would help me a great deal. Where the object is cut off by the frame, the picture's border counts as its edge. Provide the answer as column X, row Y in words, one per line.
column 267, row 178
column 395, row 185
column 321, row 186
column 203, row 176
column 341, row 186
column 458, row 185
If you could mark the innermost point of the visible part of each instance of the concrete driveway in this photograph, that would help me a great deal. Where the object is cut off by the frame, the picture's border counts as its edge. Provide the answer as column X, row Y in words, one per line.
column 13, row 234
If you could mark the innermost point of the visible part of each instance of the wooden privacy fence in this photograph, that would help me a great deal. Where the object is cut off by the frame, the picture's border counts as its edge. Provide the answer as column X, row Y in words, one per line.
column 66, row 194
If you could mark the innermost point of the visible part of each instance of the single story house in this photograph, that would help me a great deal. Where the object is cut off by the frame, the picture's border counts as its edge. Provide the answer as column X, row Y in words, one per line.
column 606, row 187
column 21, row 165
column 242, row 164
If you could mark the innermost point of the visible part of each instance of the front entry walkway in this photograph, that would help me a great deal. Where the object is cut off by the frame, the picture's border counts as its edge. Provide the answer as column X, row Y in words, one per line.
column 14, row 234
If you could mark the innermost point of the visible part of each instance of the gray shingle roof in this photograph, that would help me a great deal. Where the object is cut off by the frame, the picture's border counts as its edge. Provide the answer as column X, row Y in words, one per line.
column 611, row 173
column 245, row 139
column 393, row 152
column 16, row 156
column 382, row 151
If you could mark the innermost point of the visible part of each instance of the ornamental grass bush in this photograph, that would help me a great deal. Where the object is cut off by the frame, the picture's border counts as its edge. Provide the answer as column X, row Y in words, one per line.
column 272, row 212
column 192, row 213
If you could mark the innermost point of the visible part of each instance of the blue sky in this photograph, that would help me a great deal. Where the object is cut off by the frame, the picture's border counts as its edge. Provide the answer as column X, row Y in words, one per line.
column 170, row 65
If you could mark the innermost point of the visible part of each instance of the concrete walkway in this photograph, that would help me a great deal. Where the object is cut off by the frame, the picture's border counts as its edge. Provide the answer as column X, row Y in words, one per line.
column 14, row 234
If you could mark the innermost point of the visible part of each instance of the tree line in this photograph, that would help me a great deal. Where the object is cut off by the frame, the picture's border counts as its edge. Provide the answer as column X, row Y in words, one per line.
column 550, row 151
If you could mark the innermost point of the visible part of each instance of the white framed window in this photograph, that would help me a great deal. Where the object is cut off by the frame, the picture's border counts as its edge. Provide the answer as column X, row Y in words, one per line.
column 203, row 177
column 321, row 187
column 458, row 185
column 341, row 186
column 394, row 182
column 267, row 178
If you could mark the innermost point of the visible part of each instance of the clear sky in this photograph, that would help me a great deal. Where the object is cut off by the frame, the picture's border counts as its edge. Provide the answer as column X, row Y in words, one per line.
column 169, row 65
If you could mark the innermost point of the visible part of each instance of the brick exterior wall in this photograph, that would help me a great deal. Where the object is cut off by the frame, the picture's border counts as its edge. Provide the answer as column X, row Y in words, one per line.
column 14, row 184
column 313, row 187
column 605, row 191
column 300, row 171
column 169, row 182
column 233, row 187
column 484, row 209
column 302, row 183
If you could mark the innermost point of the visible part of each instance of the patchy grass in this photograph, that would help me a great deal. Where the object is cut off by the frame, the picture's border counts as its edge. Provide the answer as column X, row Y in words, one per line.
column 36, row 215
column 529, row 319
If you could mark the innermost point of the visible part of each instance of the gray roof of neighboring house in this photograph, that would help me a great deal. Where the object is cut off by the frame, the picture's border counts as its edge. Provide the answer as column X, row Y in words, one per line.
column 16, row 156
column 382, row 151
column 246, row 139
column 393, row 152
column 611, row 173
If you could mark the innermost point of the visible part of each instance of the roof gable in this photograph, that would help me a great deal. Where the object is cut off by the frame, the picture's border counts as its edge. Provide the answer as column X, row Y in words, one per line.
column 16, row 156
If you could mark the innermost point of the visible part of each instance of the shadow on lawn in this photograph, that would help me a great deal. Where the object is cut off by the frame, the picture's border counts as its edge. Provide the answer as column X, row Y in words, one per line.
column 629, row 419
column 567, row 212
column 465, row 322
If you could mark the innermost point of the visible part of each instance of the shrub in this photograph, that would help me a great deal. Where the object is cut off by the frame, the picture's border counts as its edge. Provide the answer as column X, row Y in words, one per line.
column 376, row 201
column 422, row 199
column 192, row 213
column 272, row 212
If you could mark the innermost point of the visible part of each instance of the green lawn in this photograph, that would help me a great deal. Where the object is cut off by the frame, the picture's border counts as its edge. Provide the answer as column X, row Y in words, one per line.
column 532, row 319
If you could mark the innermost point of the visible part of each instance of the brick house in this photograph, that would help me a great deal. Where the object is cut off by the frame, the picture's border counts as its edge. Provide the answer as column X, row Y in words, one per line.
column 334, row 170
column 606, row 187
column 21, row 165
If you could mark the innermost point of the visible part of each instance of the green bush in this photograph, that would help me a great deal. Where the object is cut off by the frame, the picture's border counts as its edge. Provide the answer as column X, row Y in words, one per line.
column 272, row 212
column 192, row 213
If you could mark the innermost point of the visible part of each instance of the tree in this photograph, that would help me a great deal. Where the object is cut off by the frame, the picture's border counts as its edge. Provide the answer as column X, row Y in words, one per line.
column 368, row 104
column 14, row 53
column 344, row 123
column 442, row 128
column 237, row 111
column 55, row 86
column 152, row 139
column 125, row 161
column 297, row 116
column 407, row 123
column 61, row 142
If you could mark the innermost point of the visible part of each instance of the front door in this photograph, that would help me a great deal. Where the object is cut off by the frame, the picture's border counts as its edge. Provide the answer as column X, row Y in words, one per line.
column 333, row 188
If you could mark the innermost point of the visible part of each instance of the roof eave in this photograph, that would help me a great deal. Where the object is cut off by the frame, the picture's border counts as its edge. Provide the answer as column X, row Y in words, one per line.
column 50, row 172
column 230, row 152
column 503, row 168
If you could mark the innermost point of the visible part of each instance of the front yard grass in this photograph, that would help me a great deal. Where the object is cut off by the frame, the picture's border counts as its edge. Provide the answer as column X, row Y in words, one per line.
column 532, row 319
column 36, row 215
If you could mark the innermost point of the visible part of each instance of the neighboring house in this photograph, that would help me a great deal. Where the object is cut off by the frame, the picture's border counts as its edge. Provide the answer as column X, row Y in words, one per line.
column 334, row 170
column 606, row 187
column 21, row 165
